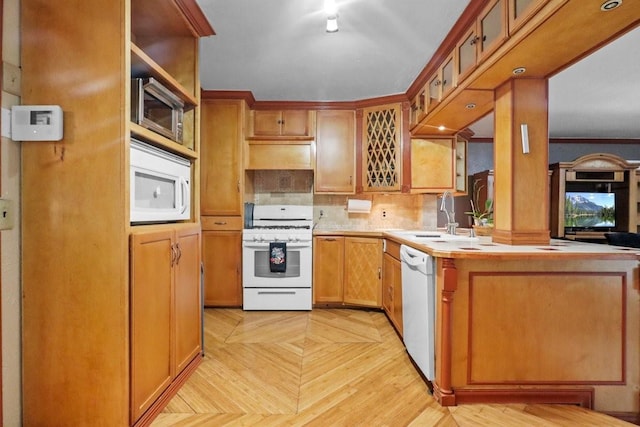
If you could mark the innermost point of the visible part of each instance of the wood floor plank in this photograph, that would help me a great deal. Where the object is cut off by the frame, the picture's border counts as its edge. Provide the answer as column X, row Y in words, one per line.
column 328, row 367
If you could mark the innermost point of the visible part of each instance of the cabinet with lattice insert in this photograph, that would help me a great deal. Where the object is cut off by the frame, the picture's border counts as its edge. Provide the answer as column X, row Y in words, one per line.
column 363, row 271
column 347, row 271
column 381, row 148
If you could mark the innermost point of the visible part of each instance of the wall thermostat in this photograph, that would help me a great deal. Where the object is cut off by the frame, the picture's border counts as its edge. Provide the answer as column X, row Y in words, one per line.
column 36, row 123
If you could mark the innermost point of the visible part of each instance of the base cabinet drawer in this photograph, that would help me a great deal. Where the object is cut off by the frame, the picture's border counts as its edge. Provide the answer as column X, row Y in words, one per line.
column 276, row 298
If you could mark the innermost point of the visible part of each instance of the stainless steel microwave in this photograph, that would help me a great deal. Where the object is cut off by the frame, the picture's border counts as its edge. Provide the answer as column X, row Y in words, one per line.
column 156, row 108
column 160, row 185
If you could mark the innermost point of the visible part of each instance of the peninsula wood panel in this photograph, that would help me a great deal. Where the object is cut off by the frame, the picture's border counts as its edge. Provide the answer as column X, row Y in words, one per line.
column 579, row 347
column 542, row 281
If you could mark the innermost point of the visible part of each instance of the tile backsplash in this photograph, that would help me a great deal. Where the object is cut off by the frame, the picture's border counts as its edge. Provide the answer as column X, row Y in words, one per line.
column 388, row 211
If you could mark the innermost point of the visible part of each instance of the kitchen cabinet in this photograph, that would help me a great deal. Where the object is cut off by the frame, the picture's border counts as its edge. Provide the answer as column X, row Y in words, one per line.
column 221, row 169
column 78, row 292
column 187, row 302
column 222, row 259
column 328, row 269
column 381, row 148
column 484, row 37
column 441, row 83
column 347, row 270
column 165, row 310
column 282, row 123
column 221, row 204
column 335, row 152
column 418, row 108
column 438, row 164
column 392, row 284
column 363, row 271
column 520, row 11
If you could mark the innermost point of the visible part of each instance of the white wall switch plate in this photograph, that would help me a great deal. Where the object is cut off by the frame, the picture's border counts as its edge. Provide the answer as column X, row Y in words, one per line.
column 6, row 214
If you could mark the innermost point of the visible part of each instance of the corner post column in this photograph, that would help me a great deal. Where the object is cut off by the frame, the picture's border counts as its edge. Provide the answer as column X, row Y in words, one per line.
column 521, row 177
column 442, row 387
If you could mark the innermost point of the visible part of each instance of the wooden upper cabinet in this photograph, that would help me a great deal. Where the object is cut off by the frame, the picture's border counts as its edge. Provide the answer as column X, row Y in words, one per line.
column 381, row 148
column 484, row 36
column 282, row 123
column 438, row 164
column 418, row 107
column 441, row 83
column 335, row 152
column 520, row 11
column 221, row 157
column 432, row 164
column 492, row 27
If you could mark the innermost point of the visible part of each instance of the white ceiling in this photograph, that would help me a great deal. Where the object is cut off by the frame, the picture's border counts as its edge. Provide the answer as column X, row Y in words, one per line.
column 279, row 50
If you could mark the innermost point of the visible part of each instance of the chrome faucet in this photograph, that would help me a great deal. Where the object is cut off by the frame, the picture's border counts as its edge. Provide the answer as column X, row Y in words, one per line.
column 451, row 215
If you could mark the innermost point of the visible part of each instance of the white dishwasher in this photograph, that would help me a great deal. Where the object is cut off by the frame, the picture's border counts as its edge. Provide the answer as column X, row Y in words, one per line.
column 418, row 308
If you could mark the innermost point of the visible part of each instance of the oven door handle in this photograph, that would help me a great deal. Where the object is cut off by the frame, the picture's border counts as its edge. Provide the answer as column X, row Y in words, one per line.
column 262, row 245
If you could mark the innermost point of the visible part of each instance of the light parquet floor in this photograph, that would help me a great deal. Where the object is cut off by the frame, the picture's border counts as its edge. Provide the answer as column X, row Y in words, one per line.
column 327, row 367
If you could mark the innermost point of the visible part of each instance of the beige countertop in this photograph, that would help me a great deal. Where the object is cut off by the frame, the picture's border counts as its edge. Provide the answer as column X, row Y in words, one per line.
column 483, row 247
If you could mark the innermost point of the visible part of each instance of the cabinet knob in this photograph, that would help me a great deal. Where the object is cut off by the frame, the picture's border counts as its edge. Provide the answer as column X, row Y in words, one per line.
column 474, row 40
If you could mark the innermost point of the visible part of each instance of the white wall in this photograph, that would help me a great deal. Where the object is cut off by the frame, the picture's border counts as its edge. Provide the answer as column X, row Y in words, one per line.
column 10, row 239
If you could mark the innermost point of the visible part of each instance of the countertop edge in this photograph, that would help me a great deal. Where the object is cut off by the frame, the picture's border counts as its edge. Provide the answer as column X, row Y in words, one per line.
column 557, row 249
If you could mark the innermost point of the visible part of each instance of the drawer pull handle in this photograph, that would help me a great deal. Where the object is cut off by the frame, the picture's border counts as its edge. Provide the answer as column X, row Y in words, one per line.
column 220, row 223
column 276, row 293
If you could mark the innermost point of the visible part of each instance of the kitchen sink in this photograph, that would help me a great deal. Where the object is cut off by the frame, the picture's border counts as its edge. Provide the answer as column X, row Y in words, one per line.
column 431, row 236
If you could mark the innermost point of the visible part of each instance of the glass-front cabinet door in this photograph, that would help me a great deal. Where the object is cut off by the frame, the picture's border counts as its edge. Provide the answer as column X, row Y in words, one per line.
column 467, row 54
column 492, row 27
column 520, row 11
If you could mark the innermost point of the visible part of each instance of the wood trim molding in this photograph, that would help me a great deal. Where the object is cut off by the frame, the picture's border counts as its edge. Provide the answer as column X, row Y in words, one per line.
column 245, row 95
column 195, row 17
column 583, row 397
column 597, row 141
column 301, row 105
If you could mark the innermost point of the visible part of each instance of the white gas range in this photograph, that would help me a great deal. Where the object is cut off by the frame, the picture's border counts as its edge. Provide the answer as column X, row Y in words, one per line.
column 277, row 258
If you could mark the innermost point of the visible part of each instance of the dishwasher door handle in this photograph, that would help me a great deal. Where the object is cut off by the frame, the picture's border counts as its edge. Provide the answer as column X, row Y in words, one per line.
column 411, row 256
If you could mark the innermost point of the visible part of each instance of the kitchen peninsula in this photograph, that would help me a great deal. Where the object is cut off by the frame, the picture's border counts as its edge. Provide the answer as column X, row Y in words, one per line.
column 554, row 323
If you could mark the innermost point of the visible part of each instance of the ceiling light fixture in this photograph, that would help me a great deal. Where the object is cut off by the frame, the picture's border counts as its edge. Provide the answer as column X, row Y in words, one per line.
column 332, row 24
column 519, row 70
column 610, row 5
column 331, row 10
column 470, row 106
column 441, row 128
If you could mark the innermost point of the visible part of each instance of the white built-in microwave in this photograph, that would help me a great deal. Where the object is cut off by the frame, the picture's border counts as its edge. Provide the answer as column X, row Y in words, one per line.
column 160, row 185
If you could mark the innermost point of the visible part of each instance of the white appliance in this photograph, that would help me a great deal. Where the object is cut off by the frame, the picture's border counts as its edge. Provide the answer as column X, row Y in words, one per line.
column 419, row 308
column 159, row 185
column 277, row 258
